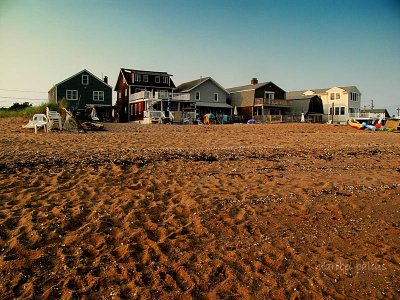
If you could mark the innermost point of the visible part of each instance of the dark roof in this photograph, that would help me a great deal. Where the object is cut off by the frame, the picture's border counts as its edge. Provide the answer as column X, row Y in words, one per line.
column 126, row 73
column 187, row 86
column 248, row 87
column 190, row 85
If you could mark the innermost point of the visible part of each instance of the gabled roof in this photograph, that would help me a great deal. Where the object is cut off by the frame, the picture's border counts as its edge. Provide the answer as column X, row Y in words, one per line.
column 190, row 85
column 126, row 74
column 83, row 71
column 324, row 91
column 249, row 87
column 298, row 95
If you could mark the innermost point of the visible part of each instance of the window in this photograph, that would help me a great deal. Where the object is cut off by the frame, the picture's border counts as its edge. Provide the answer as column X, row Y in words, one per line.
column 85, row 79
column 166, row 79
column 137, row 77
column 72, row 95
column 98, row 96
column 157, row 79
column 126, row 92
column 145, row 78
column 335, row 96
column 354, row 96
column 339, row 111
column 215, row 96
column 269, row 95
column 197, row 96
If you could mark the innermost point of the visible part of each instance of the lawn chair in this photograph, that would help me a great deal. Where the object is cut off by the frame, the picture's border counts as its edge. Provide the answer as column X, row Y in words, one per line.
column 54, row 118
column 38, row 120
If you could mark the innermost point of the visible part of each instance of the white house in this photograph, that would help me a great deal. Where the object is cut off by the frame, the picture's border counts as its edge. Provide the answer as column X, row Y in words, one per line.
column 339, row 103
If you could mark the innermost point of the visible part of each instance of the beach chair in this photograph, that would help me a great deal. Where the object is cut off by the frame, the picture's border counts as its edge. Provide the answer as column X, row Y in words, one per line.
column 54, row 118
column 38, row 120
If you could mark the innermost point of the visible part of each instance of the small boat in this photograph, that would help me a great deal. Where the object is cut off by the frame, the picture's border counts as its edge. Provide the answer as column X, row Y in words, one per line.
column 355, row 124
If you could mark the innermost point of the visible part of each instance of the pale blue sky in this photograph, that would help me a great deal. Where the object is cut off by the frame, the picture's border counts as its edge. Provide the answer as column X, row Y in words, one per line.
column 296, row 44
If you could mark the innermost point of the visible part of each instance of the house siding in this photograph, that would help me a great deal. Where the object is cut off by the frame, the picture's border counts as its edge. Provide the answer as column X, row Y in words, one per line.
column 126, row 82
column 207, row 91
column 242, row 99
column 122, row 99
column 52, row 95
column 270, row 87
column 85, row 92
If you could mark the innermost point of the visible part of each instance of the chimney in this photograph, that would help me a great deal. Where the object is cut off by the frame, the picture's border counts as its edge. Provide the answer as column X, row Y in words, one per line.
column 106, row 79
column 254, row 81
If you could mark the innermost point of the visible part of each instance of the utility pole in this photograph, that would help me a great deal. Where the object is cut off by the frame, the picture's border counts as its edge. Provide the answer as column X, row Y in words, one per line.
column 372, row 104
column 398, row 112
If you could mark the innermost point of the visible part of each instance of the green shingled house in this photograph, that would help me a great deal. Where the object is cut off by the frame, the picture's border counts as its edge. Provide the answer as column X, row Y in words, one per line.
column 83, row 92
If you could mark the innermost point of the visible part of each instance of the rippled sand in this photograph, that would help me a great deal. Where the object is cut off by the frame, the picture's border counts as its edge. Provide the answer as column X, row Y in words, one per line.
column 284, row 211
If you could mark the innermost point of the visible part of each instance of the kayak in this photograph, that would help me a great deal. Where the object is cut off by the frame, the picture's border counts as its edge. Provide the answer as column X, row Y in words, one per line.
column 355, row 124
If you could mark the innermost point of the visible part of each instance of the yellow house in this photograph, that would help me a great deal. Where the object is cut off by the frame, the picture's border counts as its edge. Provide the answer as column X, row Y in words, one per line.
column 339, row 103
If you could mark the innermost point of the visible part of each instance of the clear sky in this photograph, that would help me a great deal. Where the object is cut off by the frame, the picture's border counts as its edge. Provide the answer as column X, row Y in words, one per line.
column 297, row 44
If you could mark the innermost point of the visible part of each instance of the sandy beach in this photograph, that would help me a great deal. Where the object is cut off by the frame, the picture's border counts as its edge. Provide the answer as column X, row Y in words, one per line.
column 278, row 211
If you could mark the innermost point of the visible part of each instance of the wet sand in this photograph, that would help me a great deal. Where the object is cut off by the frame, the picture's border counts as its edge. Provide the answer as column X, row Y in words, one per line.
column 281, row 211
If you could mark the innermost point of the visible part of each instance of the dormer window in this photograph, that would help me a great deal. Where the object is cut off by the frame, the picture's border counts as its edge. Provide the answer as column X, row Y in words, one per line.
column 85, row 79
column 157, row 79
column 166, row 79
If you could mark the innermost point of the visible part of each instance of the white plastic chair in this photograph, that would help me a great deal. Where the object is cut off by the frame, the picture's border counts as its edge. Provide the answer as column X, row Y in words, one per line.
column 38, row 120
column 53, row 118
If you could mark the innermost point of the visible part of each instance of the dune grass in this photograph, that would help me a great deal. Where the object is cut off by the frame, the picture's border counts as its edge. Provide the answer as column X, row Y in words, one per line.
column 28, row 112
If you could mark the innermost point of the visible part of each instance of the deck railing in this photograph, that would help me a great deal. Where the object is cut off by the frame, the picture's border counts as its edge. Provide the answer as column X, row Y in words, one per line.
column 272, row 102
column 153, row 114
column 277, row 118
column 148, row 95
column 364, row 115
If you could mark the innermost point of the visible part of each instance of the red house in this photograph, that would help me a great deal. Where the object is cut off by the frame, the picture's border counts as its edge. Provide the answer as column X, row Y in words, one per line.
column 131, row 81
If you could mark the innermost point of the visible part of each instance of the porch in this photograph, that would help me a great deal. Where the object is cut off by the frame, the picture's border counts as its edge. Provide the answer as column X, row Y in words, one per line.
column 272, row 102
column 147, row 107
column 157, row 96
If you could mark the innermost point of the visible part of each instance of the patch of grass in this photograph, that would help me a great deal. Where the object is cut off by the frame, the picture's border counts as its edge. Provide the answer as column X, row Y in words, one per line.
column 28, row 112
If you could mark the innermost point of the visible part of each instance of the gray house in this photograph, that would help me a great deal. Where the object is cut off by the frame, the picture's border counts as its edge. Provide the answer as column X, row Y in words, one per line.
column 309, row 105
column 209, row 96
column 83, row 92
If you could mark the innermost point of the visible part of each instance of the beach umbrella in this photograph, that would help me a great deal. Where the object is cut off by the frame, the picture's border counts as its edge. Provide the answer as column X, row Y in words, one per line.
column 235, row 111
column 302, row 118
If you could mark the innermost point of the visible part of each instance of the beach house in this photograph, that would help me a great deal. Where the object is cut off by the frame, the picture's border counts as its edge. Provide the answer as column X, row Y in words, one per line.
column 340, row 103
column 261, row 101
column 83, row 92
column 310, row 106
column 208, row 95
column 148, row 97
